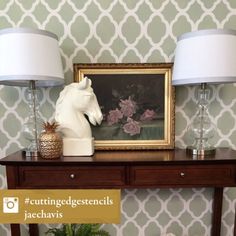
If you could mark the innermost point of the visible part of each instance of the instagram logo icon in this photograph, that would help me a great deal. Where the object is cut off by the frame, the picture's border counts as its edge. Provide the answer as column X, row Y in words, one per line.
column 10, row 205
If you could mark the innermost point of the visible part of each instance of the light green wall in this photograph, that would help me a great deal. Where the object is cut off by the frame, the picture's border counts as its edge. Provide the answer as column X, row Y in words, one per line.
column 129, row 31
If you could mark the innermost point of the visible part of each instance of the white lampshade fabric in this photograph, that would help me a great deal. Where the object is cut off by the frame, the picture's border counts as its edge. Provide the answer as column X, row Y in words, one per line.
column 205, row 56
column 30, row 54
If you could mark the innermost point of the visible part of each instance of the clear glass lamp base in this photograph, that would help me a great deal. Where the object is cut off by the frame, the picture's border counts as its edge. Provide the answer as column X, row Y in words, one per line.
column 31, row 127
column 31, row 151
column 202, row 128
column 207, row 151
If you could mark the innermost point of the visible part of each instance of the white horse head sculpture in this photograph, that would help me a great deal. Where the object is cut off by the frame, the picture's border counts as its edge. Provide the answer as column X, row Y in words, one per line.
column 75, row 100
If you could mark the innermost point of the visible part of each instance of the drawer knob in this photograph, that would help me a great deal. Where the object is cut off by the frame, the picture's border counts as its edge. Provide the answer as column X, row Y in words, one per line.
column 72, row 176
column 182, row 174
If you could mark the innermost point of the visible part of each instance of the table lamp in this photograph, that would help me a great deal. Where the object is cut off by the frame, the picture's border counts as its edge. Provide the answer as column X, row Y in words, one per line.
column 203, row 57
column 30, row 57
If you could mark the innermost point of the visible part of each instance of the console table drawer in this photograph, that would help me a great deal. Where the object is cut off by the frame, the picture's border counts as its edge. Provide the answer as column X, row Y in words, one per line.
column 66, row 177
column 191, row 175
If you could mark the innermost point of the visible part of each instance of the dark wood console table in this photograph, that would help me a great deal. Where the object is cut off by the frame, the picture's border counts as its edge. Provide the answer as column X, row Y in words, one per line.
column 125, row 169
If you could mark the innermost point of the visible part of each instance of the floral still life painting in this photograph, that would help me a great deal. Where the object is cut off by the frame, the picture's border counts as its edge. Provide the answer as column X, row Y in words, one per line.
column 135, row 106
column 132, row 112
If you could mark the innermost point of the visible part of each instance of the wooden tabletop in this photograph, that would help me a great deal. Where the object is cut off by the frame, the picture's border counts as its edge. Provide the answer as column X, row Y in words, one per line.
column 223, row 155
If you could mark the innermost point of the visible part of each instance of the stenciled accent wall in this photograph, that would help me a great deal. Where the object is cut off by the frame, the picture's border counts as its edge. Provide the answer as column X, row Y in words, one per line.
column 92, row 31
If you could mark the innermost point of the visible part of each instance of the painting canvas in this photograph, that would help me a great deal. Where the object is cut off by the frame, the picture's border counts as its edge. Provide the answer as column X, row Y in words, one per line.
column 136, row 101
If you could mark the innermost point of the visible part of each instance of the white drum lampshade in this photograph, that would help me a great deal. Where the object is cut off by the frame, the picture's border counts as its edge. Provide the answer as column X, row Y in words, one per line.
column 30, row 54
column 205, row 56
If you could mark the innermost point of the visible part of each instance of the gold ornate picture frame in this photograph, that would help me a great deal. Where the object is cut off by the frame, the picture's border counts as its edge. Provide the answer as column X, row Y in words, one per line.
column 137, row 102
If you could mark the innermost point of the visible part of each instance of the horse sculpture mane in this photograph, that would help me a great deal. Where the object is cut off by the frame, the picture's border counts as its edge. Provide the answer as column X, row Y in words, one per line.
column 75, row 100
column 59, row 104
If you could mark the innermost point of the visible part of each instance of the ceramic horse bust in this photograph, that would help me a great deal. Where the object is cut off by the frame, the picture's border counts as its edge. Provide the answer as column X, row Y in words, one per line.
column 75, row 101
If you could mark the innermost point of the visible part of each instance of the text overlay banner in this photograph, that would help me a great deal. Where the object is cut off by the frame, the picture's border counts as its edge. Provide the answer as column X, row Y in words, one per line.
column 60, row 206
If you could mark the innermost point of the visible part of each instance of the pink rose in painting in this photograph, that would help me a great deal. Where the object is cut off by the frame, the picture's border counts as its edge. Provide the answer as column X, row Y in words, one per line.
column 131, row 127
column 148, row 115
column 128, row 107
column 114, row 116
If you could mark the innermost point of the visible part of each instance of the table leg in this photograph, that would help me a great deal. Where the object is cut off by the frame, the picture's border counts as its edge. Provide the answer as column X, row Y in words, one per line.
column 33, row 230
column 217, row 211
column 15, row 229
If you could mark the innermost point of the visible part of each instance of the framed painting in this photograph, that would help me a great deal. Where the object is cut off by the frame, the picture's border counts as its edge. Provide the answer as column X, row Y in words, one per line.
column 137, row 102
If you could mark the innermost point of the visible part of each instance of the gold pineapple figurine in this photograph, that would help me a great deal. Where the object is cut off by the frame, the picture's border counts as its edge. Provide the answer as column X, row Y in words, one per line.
column 50, row 141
